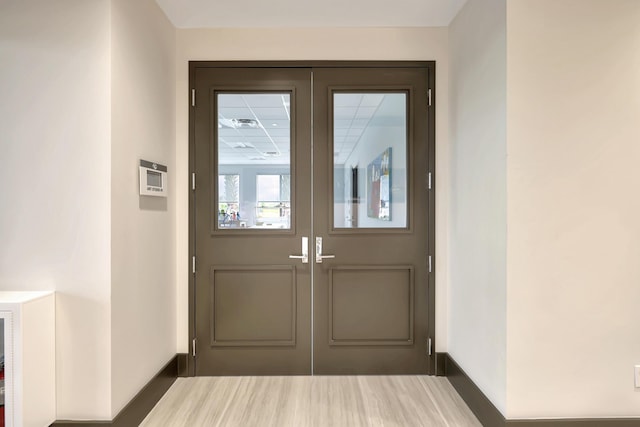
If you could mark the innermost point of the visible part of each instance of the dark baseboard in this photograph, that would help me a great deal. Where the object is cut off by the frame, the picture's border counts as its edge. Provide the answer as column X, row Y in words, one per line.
column 577, row 422
column 441, row 364
column 183, row 364
column 489, row 415
column 142, row 403
column 67, row 423
column 475, row 399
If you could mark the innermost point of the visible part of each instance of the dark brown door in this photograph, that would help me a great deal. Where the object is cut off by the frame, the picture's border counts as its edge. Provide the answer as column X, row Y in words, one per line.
column 252, row 206
column 371, row 195
column 351, row 191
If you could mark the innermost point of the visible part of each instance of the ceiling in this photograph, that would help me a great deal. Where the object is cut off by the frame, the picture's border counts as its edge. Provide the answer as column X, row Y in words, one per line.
column 305, row 13
column 255, row 128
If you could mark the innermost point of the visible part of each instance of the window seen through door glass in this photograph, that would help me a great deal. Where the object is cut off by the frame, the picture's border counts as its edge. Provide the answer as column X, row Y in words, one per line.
column 274, row 201
column 228, row 199
column 370, row 160
column 253, row 160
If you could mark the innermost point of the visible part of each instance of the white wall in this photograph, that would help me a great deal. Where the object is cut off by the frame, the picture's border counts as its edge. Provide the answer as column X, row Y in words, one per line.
column 477, row 222
column 55, row 175
column 573, row 207
column 54, row 223
column 309, row 44
column 87, row 89
column 143, row 227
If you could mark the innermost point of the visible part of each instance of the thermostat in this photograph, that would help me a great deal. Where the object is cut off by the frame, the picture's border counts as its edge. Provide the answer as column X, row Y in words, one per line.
column 153, row 179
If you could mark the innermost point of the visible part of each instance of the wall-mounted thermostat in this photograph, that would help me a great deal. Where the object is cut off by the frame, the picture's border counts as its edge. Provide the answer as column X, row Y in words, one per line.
column 153, row 179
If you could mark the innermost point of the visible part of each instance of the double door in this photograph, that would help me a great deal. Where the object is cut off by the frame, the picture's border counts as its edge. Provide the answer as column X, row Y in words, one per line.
column 311, row 220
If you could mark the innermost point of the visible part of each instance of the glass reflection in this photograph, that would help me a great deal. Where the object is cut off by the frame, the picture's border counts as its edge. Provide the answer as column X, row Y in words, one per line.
column 370, row 160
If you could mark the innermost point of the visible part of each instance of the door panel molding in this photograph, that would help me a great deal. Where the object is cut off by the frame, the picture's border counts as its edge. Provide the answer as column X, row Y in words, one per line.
column 260, row 295
column 390, row 305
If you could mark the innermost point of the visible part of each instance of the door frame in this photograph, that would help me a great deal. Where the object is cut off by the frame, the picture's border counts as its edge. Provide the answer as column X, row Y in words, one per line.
column 430, row 176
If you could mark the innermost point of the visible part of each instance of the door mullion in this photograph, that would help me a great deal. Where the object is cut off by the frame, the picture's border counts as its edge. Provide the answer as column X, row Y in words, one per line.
column 313, row 231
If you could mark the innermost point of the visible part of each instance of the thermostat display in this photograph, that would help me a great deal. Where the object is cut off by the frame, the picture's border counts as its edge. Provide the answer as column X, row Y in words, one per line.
column 153, row 179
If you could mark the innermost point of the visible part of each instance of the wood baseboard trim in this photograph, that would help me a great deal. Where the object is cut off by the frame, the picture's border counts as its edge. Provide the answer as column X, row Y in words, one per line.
column 183, row 364
column 142, row 403
column 577, row 422
column 475, row 399
column 489, row 415
column 441, row 364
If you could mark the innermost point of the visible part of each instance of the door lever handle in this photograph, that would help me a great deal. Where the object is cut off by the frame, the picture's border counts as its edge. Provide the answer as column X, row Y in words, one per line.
column 305, row 252
column 319, row 256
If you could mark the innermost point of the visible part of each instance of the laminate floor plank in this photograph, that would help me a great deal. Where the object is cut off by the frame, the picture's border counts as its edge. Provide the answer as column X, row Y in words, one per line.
column 312, row 401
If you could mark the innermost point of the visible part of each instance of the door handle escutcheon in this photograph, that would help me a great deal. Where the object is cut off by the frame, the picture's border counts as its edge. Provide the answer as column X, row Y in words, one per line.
column 319, row 256
column 305, row 251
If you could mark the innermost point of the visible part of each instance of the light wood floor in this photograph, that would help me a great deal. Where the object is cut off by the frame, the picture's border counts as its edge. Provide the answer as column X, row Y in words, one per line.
column 319, row 401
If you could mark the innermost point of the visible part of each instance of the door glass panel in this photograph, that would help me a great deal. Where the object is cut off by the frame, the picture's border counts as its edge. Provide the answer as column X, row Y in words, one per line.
column 370, row 160
column 253, row 161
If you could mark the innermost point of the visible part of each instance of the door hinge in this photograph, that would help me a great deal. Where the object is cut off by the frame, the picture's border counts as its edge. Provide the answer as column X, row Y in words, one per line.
column 429, row 97
column 429, row 262
column 429, row 347
column 193, row 347
column 429, row 181
column 193, row 264
column 193, row 98
column 193, row 181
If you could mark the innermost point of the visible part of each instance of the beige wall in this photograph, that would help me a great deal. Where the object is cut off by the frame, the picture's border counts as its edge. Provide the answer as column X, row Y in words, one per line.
column 143, row 321
column 573, row 207
column 56, row 179
column 309, row 44
column 477, row 212
column 88, row 89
